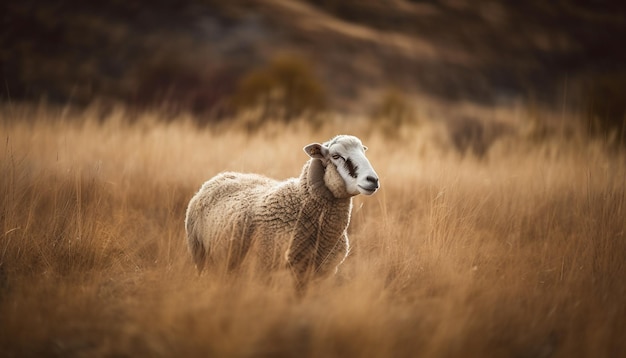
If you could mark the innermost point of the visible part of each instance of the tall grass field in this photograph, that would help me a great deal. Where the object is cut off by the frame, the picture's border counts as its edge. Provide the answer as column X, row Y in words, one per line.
column 520, row 252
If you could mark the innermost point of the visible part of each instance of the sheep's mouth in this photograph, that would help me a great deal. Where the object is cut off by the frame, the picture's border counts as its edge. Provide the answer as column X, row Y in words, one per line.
column 368, row 191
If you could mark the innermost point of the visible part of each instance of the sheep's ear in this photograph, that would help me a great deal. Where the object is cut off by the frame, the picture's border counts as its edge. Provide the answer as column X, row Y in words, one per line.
column 316, row 150
column 364, row 148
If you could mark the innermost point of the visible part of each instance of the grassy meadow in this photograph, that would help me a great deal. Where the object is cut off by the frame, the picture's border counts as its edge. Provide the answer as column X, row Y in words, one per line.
column 520, row 253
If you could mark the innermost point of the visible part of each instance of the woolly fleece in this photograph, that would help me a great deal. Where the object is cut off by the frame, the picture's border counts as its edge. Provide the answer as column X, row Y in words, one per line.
column 299, row 223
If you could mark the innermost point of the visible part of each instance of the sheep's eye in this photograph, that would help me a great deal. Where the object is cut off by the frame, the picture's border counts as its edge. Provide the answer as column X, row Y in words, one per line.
column 337, row 156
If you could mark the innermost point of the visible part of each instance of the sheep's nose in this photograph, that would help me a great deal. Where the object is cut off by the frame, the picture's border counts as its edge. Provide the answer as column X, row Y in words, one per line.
column 372, row 180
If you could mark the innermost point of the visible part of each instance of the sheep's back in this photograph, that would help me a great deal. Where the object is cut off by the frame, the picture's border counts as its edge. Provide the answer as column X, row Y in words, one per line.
column 228, row 186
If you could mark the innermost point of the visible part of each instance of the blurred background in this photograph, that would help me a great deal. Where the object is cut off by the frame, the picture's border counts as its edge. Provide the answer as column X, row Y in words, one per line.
column 293, row 58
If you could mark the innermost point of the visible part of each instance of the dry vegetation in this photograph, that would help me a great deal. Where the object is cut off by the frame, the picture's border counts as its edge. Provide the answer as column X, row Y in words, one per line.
column 519, row 254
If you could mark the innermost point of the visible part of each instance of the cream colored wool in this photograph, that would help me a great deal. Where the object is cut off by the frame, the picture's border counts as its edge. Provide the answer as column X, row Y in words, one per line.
column 299, row 223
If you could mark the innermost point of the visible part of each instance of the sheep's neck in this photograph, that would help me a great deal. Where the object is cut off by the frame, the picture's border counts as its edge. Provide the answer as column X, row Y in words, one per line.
column 324, row 182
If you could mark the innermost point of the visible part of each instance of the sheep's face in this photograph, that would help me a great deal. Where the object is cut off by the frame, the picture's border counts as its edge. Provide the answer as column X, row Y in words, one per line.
column 346, row 155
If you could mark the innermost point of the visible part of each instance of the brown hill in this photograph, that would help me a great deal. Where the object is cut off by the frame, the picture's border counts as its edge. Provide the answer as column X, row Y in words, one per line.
column 192, row 53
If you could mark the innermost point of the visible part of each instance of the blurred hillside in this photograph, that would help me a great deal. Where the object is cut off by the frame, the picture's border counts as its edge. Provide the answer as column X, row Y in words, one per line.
column 194, row 54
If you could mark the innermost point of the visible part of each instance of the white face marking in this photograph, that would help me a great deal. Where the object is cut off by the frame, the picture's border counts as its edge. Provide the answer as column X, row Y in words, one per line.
column 347, row 153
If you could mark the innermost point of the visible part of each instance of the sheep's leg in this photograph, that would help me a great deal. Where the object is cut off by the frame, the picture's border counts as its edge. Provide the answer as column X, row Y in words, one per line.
column 301, row 259
column 198, row 253
column 238, row 243
column 302, row 273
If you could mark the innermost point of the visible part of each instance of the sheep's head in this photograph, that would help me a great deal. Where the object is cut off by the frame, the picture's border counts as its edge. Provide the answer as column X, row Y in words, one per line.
column 347, row 168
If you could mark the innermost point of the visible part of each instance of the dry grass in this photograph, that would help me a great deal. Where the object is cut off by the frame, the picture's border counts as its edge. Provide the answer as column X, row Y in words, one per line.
column 521, row 254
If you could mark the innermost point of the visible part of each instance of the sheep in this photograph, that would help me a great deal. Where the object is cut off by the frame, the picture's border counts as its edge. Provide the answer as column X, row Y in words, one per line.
column 300, row 223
